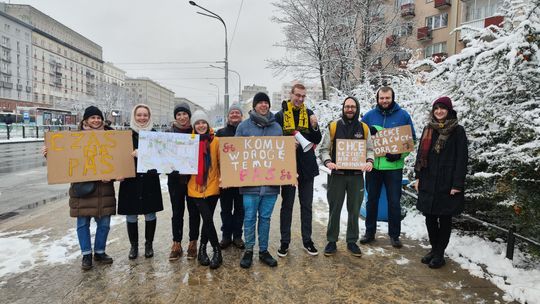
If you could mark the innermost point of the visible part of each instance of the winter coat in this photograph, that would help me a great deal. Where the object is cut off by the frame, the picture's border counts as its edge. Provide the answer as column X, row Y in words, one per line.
column 384, row 119
column 248, row 128
column 140, row 194
column 174, row 179
column 212, row 183
column 227, row 131
column 306, row 162
column 444, row 171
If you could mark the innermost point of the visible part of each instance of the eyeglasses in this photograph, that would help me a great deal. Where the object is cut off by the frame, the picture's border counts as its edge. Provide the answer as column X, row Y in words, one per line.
column 298, row 95
column 349, row 107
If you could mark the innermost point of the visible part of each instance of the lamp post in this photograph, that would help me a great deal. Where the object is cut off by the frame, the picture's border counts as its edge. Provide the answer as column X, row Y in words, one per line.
column 216, row 16
column 213, row 84
column 239, row 82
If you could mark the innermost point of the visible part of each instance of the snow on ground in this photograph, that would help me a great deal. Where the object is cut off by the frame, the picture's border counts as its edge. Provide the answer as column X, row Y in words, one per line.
column 519, row 279
column 24, row 250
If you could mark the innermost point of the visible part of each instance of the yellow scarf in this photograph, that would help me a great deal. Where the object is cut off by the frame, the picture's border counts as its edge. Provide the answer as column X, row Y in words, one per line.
column 288, row 118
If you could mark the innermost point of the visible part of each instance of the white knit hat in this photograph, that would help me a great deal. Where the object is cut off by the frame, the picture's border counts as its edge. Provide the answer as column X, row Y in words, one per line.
column 199, row 115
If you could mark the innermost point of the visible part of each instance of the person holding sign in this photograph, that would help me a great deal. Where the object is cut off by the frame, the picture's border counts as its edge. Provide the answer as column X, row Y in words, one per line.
column 203, row 188
column 232, row 209
column 142, row 193
column 258, row 199
column 345, row 181
column 387, row 170
column 295, row 117
column 177, row 185
column 440, row 169
column 95, row 200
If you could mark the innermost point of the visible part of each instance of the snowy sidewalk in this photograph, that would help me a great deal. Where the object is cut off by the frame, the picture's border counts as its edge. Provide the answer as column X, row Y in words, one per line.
column 40, row 262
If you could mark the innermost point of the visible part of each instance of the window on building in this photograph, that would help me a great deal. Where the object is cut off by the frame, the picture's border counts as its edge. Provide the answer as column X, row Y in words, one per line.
column 437, row 21
column 405, row 29
column 480, row 9
column 435, row 48
column 6, row 27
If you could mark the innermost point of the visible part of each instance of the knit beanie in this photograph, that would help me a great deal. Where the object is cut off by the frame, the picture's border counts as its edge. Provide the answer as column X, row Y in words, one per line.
column 199, row 115
column 445, row 101
column 235, row 106
column 261, row 96
column 182, row 107
column 91, row 111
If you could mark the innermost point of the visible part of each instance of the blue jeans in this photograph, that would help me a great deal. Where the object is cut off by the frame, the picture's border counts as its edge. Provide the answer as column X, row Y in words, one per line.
column 132, row 218
column 264, row 205
column 102, row 231
column 392, row 182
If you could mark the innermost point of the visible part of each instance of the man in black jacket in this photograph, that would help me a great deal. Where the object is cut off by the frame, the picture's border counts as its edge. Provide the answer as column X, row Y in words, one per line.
column 296, row 117
column 230, row 198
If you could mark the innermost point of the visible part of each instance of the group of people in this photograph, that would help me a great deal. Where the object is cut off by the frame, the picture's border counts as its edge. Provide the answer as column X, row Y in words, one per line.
column 440, row 170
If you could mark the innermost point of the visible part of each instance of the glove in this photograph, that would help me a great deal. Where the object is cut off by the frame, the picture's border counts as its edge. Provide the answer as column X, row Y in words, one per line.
column 393, row 157
column 153, row 171
column 373, row 130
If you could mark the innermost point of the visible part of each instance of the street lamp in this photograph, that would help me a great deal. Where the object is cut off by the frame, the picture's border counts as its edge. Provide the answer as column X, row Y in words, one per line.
column 216, row 16
column 239, row 82
column 213, row 84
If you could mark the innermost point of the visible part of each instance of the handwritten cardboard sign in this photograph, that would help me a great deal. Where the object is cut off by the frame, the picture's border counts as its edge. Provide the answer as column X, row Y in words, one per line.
column 167, row 152
column 88, row 156
column 350, row 153
column 257, row 161
column 393, row 140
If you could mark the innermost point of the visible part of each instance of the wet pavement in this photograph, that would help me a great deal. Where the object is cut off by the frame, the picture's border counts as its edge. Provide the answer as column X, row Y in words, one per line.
column 382, row 275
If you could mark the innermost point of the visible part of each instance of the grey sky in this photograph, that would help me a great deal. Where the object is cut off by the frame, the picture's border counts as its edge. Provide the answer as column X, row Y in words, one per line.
column 172, row 31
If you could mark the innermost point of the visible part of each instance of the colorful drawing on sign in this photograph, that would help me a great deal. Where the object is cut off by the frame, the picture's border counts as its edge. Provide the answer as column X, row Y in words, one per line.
column 88, row 155
column 167, row 152
column 251, row 161
column 393, row 140
column 350, row 153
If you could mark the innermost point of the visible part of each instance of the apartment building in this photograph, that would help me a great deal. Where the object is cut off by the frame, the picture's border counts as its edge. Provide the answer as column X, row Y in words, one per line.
column 160, row 99
column 313, row 91
column 15, row 62
column 113, row 74
column 250, row 90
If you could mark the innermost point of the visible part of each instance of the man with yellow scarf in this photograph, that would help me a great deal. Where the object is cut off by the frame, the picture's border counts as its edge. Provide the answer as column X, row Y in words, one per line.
column 296, row 117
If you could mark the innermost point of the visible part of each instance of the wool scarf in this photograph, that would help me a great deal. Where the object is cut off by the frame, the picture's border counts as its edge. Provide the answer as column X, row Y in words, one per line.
column 444, row 129
column 205, row 162
column 288, row 118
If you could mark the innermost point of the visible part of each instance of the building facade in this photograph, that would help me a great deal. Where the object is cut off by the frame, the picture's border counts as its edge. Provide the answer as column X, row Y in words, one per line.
column 250, row 90
column 113, row 74
column 160, row 99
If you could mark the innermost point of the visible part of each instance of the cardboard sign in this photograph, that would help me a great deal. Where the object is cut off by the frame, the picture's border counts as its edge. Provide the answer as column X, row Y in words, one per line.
column 257, row 161
column 167, row 152
column 350, row 153
column 393, row 140
column 88, row 156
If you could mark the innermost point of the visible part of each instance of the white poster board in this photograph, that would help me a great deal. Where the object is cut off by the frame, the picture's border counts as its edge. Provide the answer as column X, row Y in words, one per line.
column 167, row 152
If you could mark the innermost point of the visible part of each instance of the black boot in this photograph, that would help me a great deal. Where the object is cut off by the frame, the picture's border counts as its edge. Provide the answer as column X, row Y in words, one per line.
column 149, row 231
column 217, row 259
column 133, row 234
column 87, row 262
column 203, row 258
column 247, row 259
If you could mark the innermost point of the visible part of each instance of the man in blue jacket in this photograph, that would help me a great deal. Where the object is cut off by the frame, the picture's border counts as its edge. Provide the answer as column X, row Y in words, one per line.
column 387, row 170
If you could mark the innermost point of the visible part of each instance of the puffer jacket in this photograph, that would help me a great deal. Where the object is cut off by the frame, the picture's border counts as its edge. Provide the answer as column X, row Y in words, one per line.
column 212, row 184
column 99, row 203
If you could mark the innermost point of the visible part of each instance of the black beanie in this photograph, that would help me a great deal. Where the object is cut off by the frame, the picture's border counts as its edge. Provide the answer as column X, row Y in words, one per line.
column 91, row 111
column 261, row 96
column 182, row 107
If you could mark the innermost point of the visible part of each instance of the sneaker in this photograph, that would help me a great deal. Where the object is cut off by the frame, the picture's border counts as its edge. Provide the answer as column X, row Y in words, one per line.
column 310, row 249
column 238, row 243
column 225, row 243
column 354, row 249
column 330, row 249
column 266, row 258
column 247, row 259
column 283, row 250
column 437, row 262
column 87, row 262
column 103, row 258
column 176, row 251
column 192, row 250
column 428, row 257
column 366, row 239
column 396, row 243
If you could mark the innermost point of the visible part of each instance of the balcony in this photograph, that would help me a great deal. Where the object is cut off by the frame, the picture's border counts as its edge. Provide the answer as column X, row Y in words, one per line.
column 442, row 4
column 391, row 41
column 407, row 10
column 8, row 85
column 19, row 87
column 423, row 34
column 439, row 57
column 476, row 26
column 28, row 89
column 493, row 20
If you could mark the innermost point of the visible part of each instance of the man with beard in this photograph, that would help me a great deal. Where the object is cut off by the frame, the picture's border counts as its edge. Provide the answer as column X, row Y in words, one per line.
column 349, row 182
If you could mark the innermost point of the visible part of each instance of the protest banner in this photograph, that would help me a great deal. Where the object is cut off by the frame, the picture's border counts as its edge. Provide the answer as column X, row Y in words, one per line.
column 167, row 152
column 350, row 153
column 257, row 161
column 393, row 140
column 88, row 156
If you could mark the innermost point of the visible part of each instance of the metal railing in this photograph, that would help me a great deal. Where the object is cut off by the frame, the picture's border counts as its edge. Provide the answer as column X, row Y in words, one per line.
column 511, row 234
